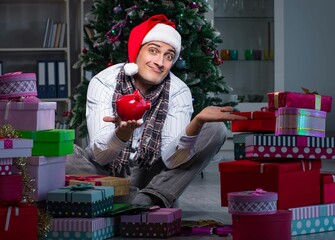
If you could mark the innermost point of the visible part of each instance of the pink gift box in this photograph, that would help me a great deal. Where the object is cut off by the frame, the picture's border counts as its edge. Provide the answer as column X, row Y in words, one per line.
column 6, row 165
column 11, row 188
column 49, row 174
column 299, row 121
column 17, row 84
column 275, row 226
column 299, row 100
column 257, row 202
column 289, row 141
column 15, row 147
column 161, row 223
column 279, row 152
column 41, row 115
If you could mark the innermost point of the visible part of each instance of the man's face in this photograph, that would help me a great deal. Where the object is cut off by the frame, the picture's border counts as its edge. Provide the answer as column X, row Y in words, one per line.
column 154, row 61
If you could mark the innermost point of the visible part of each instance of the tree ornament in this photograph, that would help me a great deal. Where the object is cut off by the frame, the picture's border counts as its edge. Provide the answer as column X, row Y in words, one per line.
column 117, row 9
column 109, row 64
column 84, row 50
column 181, row 63
column 217, row 59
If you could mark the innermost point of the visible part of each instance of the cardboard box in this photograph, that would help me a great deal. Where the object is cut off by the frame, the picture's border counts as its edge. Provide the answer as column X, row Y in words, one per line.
column 83, row 200
column 162, row 223
column 15, row 147
column 22, row 222
column 299, row 121
column 82, row 228
column 121, row 185
column 296, row 182
column 275, row 226
column 258, row 121
column 299, row 100
column 11, row 188
column 55, row 142
column 41, row 115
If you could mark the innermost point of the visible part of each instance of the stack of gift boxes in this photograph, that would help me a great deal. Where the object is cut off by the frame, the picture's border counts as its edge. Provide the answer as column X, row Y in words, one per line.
column 279, row 149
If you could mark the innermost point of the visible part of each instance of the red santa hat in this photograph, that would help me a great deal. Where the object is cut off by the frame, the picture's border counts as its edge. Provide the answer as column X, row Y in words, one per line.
column 156, row 28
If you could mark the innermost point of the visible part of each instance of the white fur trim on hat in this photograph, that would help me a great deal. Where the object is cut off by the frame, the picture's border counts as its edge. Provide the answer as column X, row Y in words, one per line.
column 165, row 33
column 130, row 69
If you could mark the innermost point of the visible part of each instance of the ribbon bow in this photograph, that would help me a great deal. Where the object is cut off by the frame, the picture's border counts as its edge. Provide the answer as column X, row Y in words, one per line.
column 258, row 191
column 82, row 187
column 10, row 204
column 308, row 92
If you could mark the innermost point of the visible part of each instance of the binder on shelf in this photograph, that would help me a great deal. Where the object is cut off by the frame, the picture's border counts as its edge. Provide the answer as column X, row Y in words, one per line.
column 41, row 79
column 51, row 79
column 61, row 80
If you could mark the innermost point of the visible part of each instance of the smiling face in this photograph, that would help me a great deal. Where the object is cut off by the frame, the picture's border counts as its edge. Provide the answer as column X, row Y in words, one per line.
column 154, row 60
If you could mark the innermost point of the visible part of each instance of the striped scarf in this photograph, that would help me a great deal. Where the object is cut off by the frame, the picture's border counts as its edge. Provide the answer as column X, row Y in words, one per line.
column 149, row 147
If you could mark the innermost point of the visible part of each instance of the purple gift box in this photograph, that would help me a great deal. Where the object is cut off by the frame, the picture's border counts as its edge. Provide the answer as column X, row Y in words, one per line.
column 160, row 223
column 41, row 115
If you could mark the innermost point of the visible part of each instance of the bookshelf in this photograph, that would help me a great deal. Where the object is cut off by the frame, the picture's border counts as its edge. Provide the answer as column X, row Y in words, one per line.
column 23, row 44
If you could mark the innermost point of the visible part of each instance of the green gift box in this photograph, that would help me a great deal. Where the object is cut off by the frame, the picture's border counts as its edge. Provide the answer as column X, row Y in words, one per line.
column 82, row 200
column 55, row 142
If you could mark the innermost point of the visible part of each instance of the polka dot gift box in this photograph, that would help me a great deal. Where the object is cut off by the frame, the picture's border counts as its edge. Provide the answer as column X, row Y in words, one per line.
column 313, row 219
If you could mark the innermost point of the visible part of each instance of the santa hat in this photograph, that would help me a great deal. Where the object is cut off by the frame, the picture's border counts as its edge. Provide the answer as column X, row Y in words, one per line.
column 156, row 28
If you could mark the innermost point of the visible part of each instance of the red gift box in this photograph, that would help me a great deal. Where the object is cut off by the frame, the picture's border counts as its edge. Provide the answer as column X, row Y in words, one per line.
column 11, row 188
column 296, row 182
column 257, row 121
column 275, row 226
column 327, row 188
column 299, row 100
column 18, row 222
column 6, row 166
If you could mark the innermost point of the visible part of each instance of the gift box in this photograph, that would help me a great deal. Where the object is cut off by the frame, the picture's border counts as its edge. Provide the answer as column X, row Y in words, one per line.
column 55, row 142
column 299, row 100
column 82, row 200
column 121, row 185
column 276, row 152
column 18, row 222
column 299, row 121
column 255, row 202
column 49, row 174
column 296, row 182
column 289, row 141
column 313, row 219
column 6, row 166
column 257, row 121
column 327, row 188
column 41, row 115
column 15, row 147
column 81, row 228
column 161, row 223
column 275, row 226
column 11, row 188
column 17, row 84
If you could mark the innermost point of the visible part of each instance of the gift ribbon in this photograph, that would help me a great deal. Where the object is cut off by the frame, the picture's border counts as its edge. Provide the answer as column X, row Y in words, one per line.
column 276, row 99
column 333, row 177
column 87, row 179
column 10, row 205
column 82, row 187
column 7, row 143
column 318, row 102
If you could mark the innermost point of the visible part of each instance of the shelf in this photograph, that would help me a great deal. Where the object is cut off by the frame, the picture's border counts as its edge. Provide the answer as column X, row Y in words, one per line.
column 33, row 49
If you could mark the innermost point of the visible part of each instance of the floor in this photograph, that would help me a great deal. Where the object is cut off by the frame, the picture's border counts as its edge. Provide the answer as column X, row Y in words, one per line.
column 201, row 201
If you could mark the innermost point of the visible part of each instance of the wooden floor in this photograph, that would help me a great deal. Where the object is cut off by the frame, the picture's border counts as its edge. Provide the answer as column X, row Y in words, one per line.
column 201, row 201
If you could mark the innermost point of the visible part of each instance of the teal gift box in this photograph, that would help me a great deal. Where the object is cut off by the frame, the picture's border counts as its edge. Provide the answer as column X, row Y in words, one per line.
column 313, row 219
column 81, row 228
column 55, row 142
column 83, row 201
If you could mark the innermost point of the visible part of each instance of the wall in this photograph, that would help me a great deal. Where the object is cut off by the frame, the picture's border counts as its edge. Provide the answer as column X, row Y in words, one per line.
column 305, row 49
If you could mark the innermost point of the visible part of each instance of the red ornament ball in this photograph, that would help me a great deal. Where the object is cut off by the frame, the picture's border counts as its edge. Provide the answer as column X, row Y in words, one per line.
column 84, row 50
column 109, row 64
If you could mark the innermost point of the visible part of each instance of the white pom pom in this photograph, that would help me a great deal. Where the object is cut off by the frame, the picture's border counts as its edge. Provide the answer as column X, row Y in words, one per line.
column 130, row 69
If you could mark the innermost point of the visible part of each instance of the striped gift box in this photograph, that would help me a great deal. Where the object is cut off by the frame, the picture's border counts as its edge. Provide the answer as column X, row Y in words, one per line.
column 313, row 211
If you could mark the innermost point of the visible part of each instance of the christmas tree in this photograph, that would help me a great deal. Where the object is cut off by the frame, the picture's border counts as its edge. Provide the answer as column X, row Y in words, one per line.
column 107, row 30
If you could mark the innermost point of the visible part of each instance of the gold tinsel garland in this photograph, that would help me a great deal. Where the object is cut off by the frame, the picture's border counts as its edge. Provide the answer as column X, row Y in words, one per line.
column 44, row 219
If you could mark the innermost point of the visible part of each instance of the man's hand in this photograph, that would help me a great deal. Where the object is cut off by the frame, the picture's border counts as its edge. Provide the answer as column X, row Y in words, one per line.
column 211, row 114
column 124, row 129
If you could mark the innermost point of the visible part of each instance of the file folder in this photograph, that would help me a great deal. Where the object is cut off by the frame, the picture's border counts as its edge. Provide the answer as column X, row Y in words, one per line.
column 51, row 80
column 61, row 80
column 41, row 79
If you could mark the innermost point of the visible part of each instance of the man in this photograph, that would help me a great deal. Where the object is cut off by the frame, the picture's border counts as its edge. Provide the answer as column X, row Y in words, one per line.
column 163, row 152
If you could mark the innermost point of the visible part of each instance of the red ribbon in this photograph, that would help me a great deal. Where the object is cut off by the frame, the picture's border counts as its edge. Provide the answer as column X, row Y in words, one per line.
column 10, row 204
column 92, row 178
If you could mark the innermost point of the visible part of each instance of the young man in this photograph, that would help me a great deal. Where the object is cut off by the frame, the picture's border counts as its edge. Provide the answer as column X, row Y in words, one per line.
column 161, row 154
